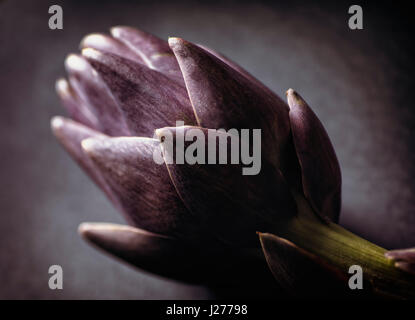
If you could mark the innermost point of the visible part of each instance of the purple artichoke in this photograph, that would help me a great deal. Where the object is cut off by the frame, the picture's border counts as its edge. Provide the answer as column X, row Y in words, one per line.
column 196, row 222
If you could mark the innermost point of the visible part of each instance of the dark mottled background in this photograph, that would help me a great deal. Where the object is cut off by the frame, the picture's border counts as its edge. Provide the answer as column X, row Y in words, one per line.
column 358, row 82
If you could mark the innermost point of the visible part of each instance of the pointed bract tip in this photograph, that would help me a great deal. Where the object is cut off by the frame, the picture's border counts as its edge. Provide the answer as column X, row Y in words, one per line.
column 290, row 92
column 405, row 266
column 294, row 99
column 401, row 254
column 160, row 131
column 62, row 87
column 83, row 228
column 92, row 39
column 74, row 62
column 174, row 41
column 95, row 231
column 91, row 53
column 56, row 123
column 89, row 145
column 117, row 30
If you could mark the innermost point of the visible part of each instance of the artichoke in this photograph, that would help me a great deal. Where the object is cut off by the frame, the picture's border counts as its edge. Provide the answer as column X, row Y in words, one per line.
column 208, row 223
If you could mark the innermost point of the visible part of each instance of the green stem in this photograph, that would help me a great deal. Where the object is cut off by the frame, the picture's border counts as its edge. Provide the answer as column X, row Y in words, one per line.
column 343, row 249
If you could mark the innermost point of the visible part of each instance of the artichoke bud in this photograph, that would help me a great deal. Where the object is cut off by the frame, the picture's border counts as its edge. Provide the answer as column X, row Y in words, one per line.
column 234, row 206
column 228, row 159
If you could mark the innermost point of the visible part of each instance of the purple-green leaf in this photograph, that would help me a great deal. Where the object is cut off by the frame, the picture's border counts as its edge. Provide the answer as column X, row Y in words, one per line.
column 147, row 98
column 70, row 135
column 224, row 98
column 96, row 96
column 176, row 259
column 154, row 51
column 321, row 176
column 300, row 273
column 76, row 107
column 232, row 205
column 143, row 187
column 109, row 44
column 404, row 259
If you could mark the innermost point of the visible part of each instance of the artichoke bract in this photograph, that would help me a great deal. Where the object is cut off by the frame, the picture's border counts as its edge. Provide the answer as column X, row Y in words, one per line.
column 203, row 222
